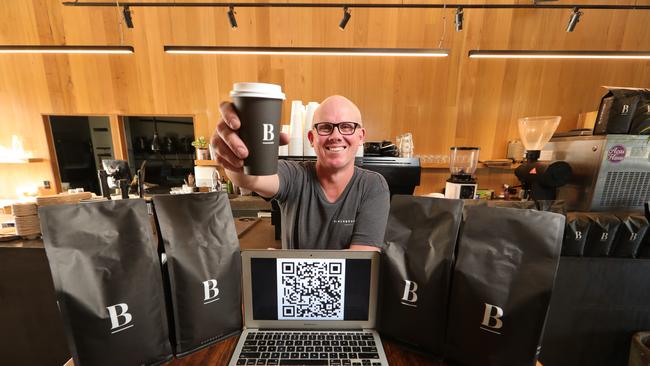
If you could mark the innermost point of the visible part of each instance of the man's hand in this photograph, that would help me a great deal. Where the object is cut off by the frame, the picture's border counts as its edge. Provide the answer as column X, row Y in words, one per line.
column 230, row 149
column 231, row 152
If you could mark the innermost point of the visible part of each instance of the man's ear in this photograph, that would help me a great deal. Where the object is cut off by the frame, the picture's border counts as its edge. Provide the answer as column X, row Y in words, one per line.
column 362, row 135
column 310, row 136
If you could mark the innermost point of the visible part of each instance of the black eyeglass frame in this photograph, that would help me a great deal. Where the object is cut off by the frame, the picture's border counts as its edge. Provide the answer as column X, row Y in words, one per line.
column 336, row 125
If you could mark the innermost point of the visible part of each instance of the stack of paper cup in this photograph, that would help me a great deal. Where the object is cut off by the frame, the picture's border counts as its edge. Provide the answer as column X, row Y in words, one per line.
column 308, row 150
column 359, row 151
column 206, row 176
column 283, row 150
column 295, row 139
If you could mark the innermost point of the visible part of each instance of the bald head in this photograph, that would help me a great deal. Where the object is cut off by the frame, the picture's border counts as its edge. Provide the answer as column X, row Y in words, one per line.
column 337, row 108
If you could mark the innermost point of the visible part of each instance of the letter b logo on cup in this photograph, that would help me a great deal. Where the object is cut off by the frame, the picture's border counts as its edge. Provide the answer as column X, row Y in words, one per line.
column 259, row 107
column 269, row 137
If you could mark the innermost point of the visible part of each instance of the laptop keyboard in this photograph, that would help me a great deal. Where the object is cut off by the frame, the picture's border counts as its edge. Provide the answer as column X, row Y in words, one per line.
column 309, row 348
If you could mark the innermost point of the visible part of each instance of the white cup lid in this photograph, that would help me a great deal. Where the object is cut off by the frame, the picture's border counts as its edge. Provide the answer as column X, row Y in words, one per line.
column 257, row 90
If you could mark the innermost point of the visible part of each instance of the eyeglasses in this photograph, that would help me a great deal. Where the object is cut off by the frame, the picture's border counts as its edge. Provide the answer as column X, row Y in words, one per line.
column 327, row 128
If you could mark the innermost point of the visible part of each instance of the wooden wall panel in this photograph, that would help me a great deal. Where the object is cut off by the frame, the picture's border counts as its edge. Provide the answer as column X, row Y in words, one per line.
column 444, row 102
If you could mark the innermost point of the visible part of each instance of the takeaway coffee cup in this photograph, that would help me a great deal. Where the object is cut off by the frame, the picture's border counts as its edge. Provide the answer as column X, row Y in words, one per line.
column 259, row 107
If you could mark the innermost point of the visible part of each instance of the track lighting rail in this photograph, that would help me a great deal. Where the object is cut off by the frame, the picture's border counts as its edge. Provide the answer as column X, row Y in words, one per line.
column 360, row 5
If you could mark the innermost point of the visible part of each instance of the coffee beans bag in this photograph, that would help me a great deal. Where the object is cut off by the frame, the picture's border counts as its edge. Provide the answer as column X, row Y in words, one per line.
column 557, row 206
column 644, row 248
column 575, row 234
column 417, row 262
column 630, row 235
column 601, row 234
column 641, row 119
column 108, row 283
column 616, row 110
column 501, row 287
column 203, row 265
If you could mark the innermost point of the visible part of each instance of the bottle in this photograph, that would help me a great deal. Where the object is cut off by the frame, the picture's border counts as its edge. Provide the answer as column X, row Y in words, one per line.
column 224, row 184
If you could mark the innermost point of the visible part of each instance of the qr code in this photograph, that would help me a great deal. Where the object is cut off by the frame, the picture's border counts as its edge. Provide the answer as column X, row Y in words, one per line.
column 311, row 289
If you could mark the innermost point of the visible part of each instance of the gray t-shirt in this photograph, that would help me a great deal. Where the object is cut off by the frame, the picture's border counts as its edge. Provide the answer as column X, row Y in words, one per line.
column 309, row 221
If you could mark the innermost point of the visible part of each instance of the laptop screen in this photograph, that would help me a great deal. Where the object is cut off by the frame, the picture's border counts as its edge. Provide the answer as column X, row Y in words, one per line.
column 336, row 289
column 310, row 286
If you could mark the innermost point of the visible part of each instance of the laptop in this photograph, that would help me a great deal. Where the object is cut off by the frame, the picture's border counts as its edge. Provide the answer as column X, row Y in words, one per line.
column 309, row 307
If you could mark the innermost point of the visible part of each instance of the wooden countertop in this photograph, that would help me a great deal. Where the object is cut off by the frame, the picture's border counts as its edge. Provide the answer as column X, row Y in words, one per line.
column 219, row 354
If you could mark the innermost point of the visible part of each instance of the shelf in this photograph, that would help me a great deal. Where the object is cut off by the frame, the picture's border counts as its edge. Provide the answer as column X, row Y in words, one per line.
column 423, row 165
column 20, row 160
column 480, row 166
column 166, row 159
column 434, row 165
column 163, row 154
column 206, row 163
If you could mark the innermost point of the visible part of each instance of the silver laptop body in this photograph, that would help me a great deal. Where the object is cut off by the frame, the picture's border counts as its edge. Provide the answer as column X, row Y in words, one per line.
column 304, row 307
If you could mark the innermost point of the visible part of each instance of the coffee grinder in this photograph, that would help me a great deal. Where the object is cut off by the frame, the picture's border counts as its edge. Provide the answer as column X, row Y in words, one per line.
column 540, row 179
column 462, row 164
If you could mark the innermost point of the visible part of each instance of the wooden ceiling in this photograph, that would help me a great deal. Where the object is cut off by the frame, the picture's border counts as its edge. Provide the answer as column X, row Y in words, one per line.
column 444, row 102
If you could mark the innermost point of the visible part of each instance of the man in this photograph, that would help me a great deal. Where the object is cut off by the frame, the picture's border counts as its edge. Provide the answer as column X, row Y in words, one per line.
column 329, row 204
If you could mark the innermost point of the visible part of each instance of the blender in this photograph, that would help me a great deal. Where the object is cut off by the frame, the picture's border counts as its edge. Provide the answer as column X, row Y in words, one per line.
column 462, row 164
column 540, row 179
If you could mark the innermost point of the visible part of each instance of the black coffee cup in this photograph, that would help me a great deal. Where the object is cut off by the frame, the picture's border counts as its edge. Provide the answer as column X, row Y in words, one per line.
column 259, row 107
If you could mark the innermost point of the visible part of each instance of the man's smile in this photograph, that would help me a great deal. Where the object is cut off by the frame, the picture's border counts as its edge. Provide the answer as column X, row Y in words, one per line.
column 336, row 148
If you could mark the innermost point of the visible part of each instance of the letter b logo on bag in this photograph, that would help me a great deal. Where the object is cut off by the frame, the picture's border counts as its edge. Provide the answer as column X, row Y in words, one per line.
column 269, row 136
column 210, row 291
column 410, row 297
column 492, row 318
column 119, row 317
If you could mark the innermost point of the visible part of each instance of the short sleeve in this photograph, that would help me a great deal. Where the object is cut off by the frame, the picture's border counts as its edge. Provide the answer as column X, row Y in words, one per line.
column 289, row 174
column 372, row 215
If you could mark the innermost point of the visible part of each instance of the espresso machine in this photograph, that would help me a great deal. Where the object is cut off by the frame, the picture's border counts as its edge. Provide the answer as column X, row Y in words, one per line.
column 540, row 179
column 610, row 172
column 462, row 165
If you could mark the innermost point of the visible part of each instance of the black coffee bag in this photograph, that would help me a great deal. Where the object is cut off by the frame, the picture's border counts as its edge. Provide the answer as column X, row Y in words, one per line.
column 616, row 110
column 597, row 305
column 575, row 234
column 108, row 283
column 513, row 204
column 417, row 262
column 630, row 235
column 641, row 119
column 557, row 206
column 34, row 332
column 501, row 287
column 203, row 267
column 601, row 234
column 644, row 248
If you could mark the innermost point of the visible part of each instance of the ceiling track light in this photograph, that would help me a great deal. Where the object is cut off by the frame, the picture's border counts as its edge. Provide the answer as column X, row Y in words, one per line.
column 203, row 4
column 67, row 49
column 231, row 17
column 345, row 19
column 575, row 55
column 127, row 17
column 573, row 21
column 458, row 20
column 308, row 51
